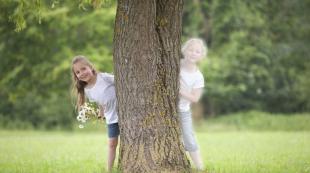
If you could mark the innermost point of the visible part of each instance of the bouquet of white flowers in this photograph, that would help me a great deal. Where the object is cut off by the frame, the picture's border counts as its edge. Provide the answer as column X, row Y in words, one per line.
column 89, row 110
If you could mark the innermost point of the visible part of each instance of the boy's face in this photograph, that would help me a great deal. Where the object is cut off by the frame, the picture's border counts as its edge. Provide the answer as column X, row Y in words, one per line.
column 83, row 71
column 194, row 53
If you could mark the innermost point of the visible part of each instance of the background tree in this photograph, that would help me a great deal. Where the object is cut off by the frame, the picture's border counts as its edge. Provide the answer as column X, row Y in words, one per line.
column 258, row 55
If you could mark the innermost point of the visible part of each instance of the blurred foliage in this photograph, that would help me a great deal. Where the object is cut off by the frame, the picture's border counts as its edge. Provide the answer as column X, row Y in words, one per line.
column 35, row 65
column 258, row 55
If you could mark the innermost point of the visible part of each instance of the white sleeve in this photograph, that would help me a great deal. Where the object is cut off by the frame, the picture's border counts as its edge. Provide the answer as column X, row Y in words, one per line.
column 87, row 96
column 108, row 77
column 199, row 83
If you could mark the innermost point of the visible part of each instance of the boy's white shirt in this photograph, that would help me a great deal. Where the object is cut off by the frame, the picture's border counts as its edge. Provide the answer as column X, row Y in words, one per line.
column 188, row 82
column 103, row 93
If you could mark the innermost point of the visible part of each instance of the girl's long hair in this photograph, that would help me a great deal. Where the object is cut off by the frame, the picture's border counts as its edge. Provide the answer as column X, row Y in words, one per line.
column 78, row 86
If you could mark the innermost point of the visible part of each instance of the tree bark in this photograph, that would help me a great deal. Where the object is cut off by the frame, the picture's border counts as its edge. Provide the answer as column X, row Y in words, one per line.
column 146, row 64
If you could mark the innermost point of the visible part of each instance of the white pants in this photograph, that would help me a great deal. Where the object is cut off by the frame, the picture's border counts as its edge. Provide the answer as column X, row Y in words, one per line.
column 188, row 136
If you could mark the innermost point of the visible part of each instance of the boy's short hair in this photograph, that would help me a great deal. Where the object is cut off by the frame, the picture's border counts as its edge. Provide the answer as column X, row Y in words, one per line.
column 197, row 40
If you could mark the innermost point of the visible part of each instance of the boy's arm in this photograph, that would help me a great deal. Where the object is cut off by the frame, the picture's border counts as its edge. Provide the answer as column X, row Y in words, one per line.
column 192, row 96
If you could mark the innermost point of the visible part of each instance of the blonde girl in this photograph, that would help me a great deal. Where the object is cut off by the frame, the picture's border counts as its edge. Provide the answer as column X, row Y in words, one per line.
column 97, row 87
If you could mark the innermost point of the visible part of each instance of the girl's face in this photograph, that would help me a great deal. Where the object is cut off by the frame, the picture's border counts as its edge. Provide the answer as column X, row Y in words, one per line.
column 83, row 71
column 194, row 53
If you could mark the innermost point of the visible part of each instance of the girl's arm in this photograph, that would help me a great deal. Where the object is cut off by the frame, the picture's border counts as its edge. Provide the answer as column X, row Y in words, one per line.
column 101, row 112
column 192, row 96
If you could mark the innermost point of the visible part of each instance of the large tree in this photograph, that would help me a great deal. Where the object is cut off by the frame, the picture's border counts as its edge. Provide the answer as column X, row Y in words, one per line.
column 146, row 60
column 147, row 38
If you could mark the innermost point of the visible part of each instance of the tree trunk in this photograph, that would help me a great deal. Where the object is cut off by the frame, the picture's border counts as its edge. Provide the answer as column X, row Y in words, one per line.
column 146, row 64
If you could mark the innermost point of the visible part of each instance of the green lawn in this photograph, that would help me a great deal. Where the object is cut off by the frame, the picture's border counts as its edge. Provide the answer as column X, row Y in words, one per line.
column 231, row 152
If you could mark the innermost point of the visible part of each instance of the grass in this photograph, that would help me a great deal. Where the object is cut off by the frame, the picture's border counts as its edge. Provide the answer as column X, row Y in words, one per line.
column 223, row 152
column 52, row 152
column 256, row 152
column 257, row 121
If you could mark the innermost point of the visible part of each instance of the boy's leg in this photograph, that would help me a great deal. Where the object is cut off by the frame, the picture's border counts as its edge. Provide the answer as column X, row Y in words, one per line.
column 189, row 140
column 195, row 155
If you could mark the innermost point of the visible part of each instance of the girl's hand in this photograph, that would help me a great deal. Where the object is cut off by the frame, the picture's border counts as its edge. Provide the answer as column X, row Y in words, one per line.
column 101, row 112
column 101, row 116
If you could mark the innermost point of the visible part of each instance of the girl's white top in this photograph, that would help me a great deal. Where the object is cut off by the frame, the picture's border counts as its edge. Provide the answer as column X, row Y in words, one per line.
column 188, row 82
column 103, row 93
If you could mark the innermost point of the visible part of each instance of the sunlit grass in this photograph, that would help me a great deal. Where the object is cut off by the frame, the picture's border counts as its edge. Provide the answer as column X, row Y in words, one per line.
column 256, row 121
column 256, row 152
column 52, row 152
column 231, row 152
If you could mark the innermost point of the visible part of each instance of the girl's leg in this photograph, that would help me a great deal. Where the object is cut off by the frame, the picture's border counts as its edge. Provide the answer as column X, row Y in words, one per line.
column 112, row 144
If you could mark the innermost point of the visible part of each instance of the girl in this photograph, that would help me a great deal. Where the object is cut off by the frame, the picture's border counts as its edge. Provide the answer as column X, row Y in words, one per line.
column 191, row 87
column 97, row 87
